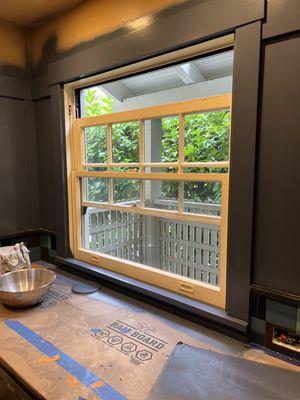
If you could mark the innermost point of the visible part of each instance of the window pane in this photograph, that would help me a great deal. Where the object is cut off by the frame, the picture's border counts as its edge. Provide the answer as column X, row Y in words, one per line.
column 126, row 191
column 161, row 139
column 206, row 136
column 202, row 197
column 161, row 194
column 181, row 248
column 95, row 169
column 171, row 170
column 95, row 189
column 95, row 101
column 197, row 170
column 95, row 144
column 115, row 233
column 125, row 169
column 125, row 142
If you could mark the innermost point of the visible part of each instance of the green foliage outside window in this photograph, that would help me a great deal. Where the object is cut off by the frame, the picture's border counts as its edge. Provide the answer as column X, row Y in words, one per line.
column 206, row 139
column 125, row 142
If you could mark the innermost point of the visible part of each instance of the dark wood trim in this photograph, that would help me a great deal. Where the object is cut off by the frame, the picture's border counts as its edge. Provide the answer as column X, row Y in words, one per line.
column 277, row 295
column 28, row 232
column 24, row 89
column 16, row 88
column 60, row 169
column 275, row 354
column 187, row 308
column 283, row 17
column 170, row 31
column 242, row 167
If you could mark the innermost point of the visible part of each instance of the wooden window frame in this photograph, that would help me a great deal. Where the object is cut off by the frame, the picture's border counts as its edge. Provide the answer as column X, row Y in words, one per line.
column 76, row 167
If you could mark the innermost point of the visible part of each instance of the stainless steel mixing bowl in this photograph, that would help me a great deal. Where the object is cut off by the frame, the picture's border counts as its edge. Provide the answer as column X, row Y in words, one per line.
column 26, row 287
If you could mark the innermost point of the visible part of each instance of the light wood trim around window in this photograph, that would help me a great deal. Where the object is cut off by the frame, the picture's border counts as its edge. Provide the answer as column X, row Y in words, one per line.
column 203, row 164
column 158, row 176
column 208, row 293
column 155, row 212
column 76, row 171
column 153, row 276
column 206, row 104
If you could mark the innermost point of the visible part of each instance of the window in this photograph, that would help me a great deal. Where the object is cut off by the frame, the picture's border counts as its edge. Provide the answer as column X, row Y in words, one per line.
column 149, row 176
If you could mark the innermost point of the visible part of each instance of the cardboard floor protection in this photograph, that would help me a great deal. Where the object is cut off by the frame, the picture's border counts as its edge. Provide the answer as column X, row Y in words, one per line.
column 197, row 374
column 92, row 347
column 75, row 347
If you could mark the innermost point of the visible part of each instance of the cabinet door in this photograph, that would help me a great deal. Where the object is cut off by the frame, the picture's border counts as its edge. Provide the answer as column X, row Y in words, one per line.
column 276, row 261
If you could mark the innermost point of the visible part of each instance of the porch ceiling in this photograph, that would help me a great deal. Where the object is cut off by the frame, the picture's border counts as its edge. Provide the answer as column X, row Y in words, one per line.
column 200, row 70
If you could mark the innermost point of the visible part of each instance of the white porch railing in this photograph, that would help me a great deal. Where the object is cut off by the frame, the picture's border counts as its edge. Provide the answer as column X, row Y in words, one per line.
column 186, row 249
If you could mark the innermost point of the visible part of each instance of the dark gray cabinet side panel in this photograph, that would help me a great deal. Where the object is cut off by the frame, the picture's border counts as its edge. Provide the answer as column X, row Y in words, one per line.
column 168, row 31
column 283, row 16
column 277, row 233
column 45, row 163
column 15, row 190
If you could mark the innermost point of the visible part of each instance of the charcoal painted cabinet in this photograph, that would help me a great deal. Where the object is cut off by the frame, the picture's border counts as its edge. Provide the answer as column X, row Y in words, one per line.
column 277, row 223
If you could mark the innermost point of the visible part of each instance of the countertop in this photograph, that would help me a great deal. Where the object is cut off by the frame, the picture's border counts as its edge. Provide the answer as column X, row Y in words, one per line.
column 99, row 346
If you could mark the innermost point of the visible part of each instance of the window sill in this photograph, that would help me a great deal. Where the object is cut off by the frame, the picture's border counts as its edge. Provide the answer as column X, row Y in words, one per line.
column 205, row 314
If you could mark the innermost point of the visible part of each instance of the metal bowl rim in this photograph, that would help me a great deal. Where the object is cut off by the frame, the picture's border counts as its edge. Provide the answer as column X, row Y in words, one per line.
column 32, row 290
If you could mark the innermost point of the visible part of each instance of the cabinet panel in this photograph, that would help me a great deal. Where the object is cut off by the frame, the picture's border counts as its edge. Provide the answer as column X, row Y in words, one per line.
column 277, row 235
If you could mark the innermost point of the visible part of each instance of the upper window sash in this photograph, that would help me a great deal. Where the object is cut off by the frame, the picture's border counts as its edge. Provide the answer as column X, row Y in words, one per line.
column 213, row 103
column 181, row 109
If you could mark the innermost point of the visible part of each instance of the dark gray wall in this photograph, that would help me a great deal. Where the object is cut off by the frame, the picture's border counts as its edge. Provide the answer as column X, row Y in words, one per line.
column 45, row 163
column 19, row 192
column 19, row 205
column 277, row 232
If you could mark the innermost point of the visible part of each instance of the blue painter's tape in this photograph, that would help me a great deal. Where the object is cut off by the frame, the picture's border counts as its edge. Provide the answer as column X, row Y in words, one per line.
column 96, row 330
column 88, row 378
column 106, row 392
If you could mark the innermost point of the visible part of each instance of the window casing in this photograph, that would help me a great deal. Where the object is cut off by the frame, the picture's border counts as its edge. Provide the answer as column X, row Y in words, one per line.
column 197, row 228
